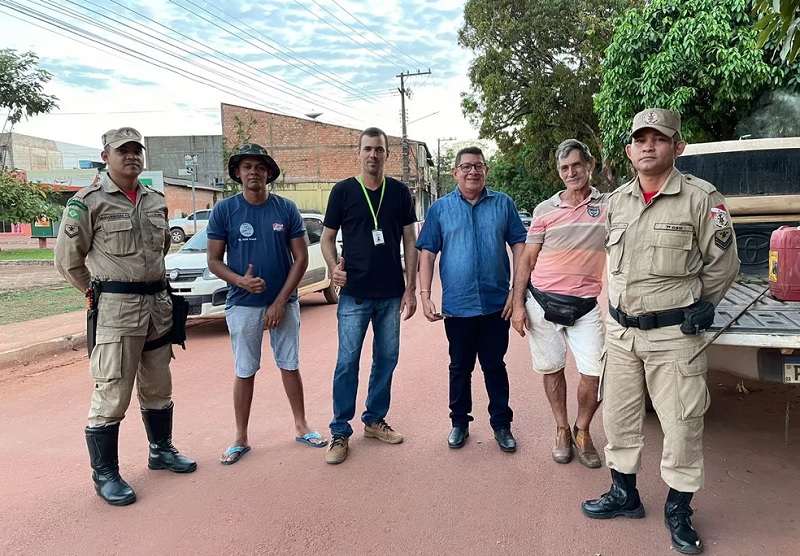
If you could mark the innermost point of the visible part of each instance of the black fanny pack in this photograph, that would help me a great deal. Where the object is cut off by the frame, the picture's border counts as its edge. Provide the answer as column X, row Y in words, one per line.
column 562, row 309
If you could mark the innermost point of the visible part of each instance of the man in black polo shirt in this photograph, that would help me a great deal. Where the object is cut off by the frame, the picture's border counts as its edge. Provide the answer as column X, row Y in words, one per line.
column 375, row 213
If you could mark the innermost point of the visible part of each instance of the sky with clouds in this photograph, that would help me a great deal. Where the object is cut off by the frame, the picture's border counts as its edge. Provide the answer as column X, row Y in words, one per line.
column 164, row 66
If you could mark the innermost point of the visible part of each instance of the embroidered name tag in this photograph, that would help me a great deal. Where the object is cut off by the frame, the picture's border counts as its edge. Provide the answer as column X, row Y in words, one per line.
column 666, row 226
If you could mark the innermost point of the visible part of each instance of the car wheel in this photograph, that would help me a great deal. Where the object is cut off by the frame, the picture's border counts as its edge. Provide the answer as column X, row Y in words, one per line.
column 332, row 293
column 177, row 235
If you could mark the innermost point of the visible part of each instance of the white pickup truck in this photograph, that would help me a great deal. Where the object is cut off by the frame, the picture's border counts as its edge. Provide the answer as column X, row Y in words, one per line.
column 759, row 180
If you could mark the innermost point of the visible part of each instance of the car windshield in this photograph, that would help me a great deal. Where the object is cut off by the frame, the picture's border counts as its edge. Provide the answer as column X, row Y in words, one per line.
column 198, row 242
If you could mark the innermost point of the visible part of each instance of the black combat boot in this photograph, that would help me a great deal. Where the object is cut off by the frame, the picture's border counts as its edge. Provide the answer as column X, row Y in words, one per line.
column 678, row 519
column 623, row 499
column 102, row 443
column 163, row 455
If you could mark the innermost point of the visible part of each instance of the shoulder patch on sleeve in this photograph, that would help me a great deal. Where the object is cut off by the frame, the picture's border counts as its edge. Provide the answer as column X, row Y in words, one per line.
column 71, row 230
column 723, row 238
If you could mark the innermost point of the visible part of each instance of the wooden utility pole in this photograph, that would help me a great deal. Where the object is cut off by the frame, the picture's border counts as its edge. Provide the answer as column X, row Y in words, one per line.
column 404, row 143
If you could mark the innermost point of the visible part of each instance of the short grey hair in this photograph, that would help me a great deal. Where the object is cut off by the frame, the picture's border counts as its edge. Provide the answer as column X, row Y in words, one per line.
column 565, row 148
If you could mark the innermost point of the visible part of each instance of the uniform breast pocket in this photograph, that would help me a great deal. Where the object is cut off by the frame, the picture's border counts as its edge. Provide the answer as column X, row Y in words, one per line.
column 615, row 247
column 158, row 227
column 119, row 236
column 671, row 253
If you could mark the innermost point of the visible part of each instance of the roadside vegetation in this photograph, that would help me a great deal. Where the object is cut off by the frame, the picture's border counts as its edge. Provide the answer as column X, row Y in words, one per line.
column 38, row 303
column 26, row 255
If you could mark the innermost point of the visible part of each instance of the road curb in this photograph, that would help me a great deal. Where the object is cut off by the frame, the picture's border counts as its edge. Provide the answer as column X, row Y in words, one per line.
column 47, row 348
column 26, row 263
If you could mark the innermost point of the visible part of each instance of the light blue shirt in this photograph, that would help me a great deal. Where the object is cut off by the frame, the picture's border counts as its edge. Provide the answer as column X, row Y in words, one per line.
column 472, row 240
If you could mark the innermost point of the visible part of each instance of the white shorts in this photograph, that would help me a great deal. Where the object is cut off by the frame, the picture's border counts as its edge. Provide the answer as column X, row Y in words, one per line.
column 548, row 340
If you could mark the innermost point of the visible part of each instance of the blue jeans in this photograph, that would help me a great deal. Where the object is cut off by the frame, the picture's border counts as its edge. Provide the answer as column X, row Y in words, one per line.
column 354, row 315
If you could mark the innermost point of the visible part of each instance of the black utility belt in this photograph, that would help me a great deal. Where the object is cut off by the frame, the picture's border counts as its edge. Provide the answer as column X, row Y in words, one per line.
column 141, row 288
column 649, row 321
column 562, row 309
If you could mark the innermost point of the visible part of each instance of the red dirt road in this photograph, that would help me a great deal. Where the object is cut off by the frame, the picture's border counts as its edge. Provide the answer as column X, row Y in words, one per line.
column 417, row 498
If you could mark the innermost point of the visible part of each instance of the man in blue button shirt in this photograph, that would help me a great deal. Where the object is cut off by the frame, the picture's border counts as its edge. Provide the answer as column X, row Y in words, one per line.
column 471, row 227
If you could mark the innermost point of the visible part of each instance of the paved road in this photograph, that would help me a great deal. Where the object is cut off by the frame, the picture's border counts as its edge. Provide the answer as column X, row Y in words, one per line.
column 415, row 498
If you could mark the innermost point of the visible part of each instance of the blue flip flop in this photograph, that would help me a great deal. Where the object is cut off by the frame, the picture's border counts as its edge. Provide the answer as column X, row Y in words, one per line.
column 307, row 438
column 238, row 450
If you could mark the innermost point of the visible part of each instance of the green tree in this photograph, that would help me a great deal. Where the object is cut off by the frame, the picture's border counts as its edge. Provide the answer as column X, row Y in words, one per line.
column 697, row 57
column 513, row 177
column 778, row 21
column 22, row 85
column 535, row 73
column 23, row 201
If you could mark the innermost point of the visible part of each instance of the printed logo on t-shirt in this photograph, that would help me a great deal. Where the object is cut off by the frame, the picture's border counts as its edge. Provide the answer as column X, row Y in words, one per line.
column 593, row 211
column 246, row 229
column 277, row 227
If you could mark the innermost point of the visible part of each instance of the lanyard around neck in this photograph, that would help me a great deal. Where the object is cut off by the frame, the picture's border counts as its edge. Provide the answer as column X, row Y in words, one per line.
column 369, row 203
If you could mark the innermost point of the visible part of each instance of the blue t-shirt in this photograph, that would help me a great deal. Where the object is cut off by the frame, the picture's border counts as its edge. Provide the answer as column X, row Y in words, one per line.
column 472, row 239
column 257, row 235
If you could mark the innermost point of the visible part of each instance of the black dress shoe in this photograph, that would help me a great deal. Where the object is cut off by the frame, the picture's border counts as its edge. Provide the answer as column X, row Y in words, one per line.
column 458, row 437
column 505, row 440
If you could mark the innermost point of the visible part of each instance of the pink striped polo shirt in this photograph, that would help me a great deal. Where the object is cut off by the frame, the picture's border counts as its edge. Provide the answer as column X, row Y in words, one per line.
column 573, row 255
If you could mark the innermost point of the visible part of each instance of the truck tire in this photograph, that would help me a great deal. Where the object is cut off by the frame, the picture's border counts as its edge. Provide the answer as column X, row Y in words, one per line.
column 177, row 235
column 331, row 293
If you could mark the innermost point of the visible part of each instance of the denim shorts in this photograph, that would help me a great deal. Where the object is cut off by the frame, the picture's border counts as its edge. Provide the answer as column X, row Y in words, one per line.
column 246, row 327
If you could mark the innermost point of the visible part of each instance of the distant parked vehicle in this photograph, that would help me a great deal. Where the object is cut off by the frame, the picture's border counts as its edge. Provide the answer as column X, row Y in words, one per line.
column 525, row 216
column 189, row 276
column 182, row 228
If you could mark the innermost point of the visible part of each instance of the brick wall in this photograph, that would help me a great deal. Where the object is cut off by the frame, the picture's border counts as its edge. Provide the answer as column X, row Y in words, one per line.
column 293, row 144
column 179, row 199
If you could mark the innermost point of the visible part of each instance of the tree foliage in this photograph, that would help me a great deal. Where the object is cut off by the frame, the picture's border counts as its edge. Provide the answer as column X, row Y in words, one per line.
column 23, row 201
column 778, row 21
column 22, row 85
column 535, row 73
column 698, row 57
column 513, row 177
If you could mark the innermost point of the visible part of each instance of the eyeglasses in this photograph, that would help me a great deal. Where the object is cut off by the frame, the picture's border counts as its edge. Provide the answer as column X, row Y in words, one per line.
column 467, row 167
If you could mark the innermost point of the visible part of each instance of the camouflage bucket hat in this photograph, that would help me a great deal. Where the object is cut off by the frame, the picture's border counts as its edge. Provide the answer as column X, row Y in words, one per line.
column 251, row 150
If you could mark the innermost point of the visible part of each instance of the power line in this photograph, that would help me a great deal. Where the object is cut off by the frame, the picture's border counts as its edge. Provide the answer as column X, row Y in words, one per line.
column 287, row 51
column 72, row 30
column 364, row 25
column 309, row 10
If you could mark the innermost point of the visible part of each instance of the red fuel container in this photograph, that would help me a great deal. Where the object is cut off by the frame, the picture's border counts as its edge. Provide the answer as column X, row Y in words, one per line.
column 784, row 263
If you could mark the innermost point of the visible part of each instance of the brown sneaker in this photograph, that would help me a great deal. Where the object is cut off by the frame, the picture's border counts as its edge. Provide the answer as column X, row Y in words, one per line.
column 562, row 451
column 383, row 432
column 587, row 454
column 337, row 450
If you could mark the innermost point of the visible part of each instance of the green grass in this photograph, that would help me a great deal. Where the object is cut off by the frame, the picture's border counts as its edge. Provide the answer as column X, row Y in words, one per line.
column 26, row 255
column 35, row 304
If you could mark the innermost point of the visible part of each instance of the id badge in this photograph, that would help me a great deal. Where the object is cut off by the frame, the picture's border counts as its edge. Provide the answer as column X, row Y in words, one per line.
column 377, row 237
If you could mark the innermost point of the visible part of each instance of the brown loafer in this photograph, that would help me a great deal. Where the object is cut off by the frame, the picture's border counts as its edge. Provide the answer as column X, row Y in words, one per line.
column 587, row 454
column 562, row 451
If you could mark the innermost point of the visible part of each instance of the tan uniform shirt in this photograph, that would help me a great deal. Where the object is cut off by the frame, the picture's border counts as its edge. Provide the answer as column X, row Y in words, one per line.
column 122, row 242
column 668, row 254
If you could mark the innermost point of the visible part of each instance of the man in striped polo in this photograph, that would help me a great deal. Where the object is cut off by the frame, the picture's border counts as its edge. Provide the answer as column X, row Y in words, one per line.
column 556, row 286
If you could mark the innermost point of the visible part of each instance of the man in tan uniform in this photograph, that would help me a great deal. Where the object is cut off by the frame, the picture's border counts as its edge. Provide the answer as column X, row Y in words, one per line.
column 119, row 227
column 671, row 257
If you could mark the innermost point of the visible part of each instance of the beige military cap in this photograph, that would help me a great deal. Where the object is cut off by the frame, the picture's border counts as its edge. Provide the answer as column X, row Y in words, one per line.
column 115, row 138
column 660, row 119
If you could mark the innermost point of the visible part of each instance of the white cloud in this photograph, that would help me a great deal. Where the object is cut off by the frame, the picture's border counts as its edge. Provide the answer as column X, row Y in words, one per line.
column 167, row 104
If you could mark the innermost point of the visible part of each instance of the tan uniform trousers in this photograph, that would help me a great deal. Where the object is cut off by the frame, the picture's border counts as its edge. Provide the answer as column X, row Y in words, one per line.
column 680, row 397
column 117, row 360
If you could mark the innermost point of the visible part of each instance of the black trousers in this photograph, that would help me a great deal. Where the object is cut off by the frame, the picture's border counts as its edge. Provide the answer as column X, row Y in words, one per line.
column 484, row 337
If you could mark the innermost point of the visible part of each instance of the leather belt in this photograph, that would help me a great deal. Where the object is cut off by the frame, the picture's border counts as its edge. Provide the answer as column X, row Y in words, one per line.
column 649, row 321
column 141, row 288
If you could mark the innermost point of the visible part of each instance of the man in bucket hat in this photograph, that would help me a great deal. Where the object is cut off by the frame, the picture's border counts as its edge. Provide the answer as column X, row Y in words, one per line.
column 265, row 240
